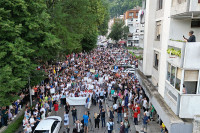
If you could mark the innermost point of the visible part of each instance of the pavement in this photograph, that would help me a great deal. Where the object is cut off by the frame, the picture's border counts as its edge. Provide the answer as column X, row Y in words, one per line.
column 153, row 127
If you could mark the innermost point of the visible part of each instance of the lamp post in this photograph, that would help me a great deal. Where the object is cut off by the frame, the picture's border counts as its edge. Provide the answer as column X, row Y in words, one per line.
column 30, row 92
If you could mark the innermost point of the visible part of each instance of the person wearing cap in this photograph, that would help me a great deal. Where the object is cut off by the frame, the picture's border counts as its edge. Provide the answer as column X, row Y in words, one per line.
column 192, row 37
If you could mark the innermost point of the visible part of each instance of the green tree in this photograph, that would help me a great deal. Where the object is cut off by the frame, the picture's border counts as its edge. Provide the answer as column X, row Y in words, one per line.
column 25, row 42
column 119, row 31
column 119, row 7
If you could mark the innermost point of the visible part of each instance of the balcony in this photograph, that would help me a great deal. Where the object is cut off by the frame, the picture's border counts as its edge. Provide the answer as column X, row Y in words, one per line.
column 184, row 7
column 189, row 107
column 183, row 105
column 184, row 55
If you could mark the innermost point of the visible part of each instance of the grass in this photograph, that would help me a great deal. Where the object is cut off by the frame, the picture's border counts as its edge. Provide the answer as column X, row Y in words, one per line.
column 13, row 127
column 137, row 57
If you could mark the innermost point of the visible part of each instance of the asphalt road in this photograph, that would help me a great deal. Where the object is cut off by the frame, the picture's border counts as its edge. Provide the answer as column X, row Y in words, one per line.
column 80, row 111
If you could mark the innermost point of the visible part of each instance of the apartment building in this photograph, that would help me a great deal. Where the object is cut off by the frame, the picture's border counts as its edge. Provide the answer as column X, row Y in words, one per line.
column 136, row 29
column 170, row 71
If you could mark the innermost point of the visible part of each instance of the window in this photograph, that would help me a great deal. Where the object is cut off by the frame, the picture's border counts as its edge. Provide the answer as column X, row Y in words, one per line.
column 130, row 14
column 195, row 23
column 136, row 41
column 136, row 13
column 160, row 4
column 142, row 31
column 54, row 126
column 171, row 74
column 156, row 60
column 137, row 30
column 130, row 25
column 158, row 30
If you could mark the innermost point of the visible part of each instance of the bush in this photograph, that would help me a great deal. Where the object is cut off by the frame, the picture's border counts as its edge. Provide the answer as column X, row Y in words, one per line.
column 137, row 57
column 15, row 125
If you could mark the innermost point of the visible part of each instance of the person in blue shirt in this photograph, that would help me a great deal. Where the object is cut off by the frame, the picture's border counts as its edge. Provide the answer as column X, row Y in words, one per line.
column 144, row 123
column 126, row 101
column 85, row 119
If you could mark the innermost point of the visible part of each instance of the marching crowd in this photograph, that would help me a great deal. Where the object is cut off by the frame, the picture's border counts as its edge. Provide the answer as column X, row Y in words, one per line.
column 90, row 75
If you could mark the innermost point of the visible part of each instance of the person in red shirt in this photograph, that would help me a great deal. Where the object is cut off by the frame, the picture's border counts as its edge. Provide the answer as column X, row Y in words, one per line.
column 56, row 108
column 135, row 115
column 138, row 109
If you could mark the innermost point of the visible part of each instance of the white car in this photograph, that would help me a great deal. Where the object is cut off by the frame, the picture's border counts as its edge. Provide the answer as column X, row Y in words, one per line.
column 129, row 70
column 50, row 124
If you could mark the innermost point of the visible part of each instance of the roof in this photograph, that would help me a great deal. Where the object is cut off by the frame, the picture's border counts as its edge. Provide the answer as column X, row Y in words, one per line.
column 45, row 124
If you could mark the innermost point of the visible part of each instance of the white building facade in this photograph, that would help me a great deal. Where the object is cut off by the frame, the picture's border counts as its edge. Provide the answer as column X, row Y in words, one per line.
column 172, row 66
column 136, row 29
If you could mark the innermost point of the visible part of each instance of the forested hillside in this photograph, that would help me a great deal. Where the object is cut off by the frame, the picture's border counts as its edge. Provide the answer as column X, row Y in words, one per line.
column 118, row 7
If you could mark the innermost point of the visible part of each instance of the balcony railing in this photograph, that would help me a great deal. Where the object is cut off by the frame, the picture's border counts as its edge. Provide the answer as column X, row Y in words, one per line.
column 190, row 55
column 183, row 105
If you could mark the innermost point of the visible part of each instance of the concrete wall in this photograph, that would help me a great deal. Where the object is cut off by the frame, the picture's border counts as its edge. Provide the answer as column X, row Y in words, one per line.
column 194, row 5
column 164, row 46
column 149, row 36
column 192, row 56
column 179, row 8
column 189, row 106
column 182, row 27
column 172, row 98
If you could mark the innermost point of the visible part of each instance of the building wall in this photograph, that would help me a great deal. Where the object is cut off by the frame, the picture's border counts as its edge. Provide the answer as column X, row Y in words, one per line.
column 149, row 37
column 164, row 46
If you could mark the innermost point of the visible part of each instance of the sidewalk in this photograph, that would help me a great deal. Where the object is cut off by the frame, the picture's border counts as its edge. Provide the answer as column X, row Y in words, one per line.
column 152, row 127
column 21, row 112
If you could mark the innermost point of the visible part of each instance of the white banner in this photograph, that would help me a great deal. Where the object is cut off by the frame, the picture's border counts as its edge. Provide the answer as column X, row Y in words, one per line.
column 76, row 100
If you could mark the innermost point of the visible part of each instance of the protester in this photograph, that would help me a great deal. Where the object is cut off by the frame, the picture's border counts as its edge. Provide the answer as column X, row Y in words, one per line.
column 56, row 108
column 74, row 114
column 96, row 120
column 122, row 128
column 144, row 123
column 86, row 119
column 103, row 115
column 110, row 125
column 66, row 121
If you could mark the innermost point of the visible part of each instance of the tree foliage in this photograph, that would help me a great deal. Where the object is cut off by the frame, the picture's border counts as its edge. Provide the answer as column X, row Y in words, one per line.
column 25, row 42
column 118, row 7
column 119, row 31
column 34, row 32
column 77, row 23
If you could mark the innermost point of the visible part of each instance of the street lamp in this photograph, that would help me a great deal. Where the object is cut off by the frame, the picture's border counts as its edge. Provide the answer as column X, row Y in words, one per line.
column 30, row 92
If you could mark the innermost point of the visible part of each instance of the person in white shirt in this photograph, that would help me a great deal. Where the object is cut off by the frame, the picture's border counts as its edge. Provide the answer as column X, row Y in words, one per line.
column 145, row 104
column 28, row 129
column 32, row 121
column 110, row 125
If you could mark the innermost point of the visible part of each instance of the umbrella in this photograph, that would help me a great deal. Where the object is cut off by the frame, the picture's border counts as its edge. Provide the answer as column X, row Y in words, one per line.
column 122, row 42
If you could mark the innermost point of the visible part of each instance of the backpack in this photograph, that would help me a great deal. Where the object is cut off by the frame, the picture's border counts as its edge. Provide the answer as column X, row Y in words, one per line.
column 111, row 126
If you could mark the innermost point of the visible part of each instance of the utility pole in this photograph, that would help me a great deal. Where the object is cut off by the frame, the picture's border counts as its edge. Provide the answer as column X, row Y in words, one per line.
column 30, row 92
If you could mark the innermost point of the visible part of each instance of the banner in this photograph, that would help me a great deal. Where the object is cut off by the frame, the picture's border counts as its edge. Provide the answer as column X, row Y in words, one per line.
column 78, row 100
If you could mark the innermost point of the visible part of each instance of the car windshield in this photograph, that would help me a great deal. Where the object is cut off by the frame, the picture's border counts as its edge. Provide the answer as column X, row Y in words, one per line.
column 41, row 131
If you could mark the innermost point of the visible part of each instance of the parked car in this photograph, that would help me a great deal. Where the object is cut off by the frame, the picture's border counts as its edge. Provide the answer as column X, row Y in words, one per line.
column 130, row 70
column 51, row 124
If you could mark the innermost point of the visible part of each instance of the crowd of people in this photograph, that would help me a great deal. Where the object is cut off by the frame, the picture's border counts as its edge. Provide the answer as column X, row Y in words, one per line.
column 90, row 75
